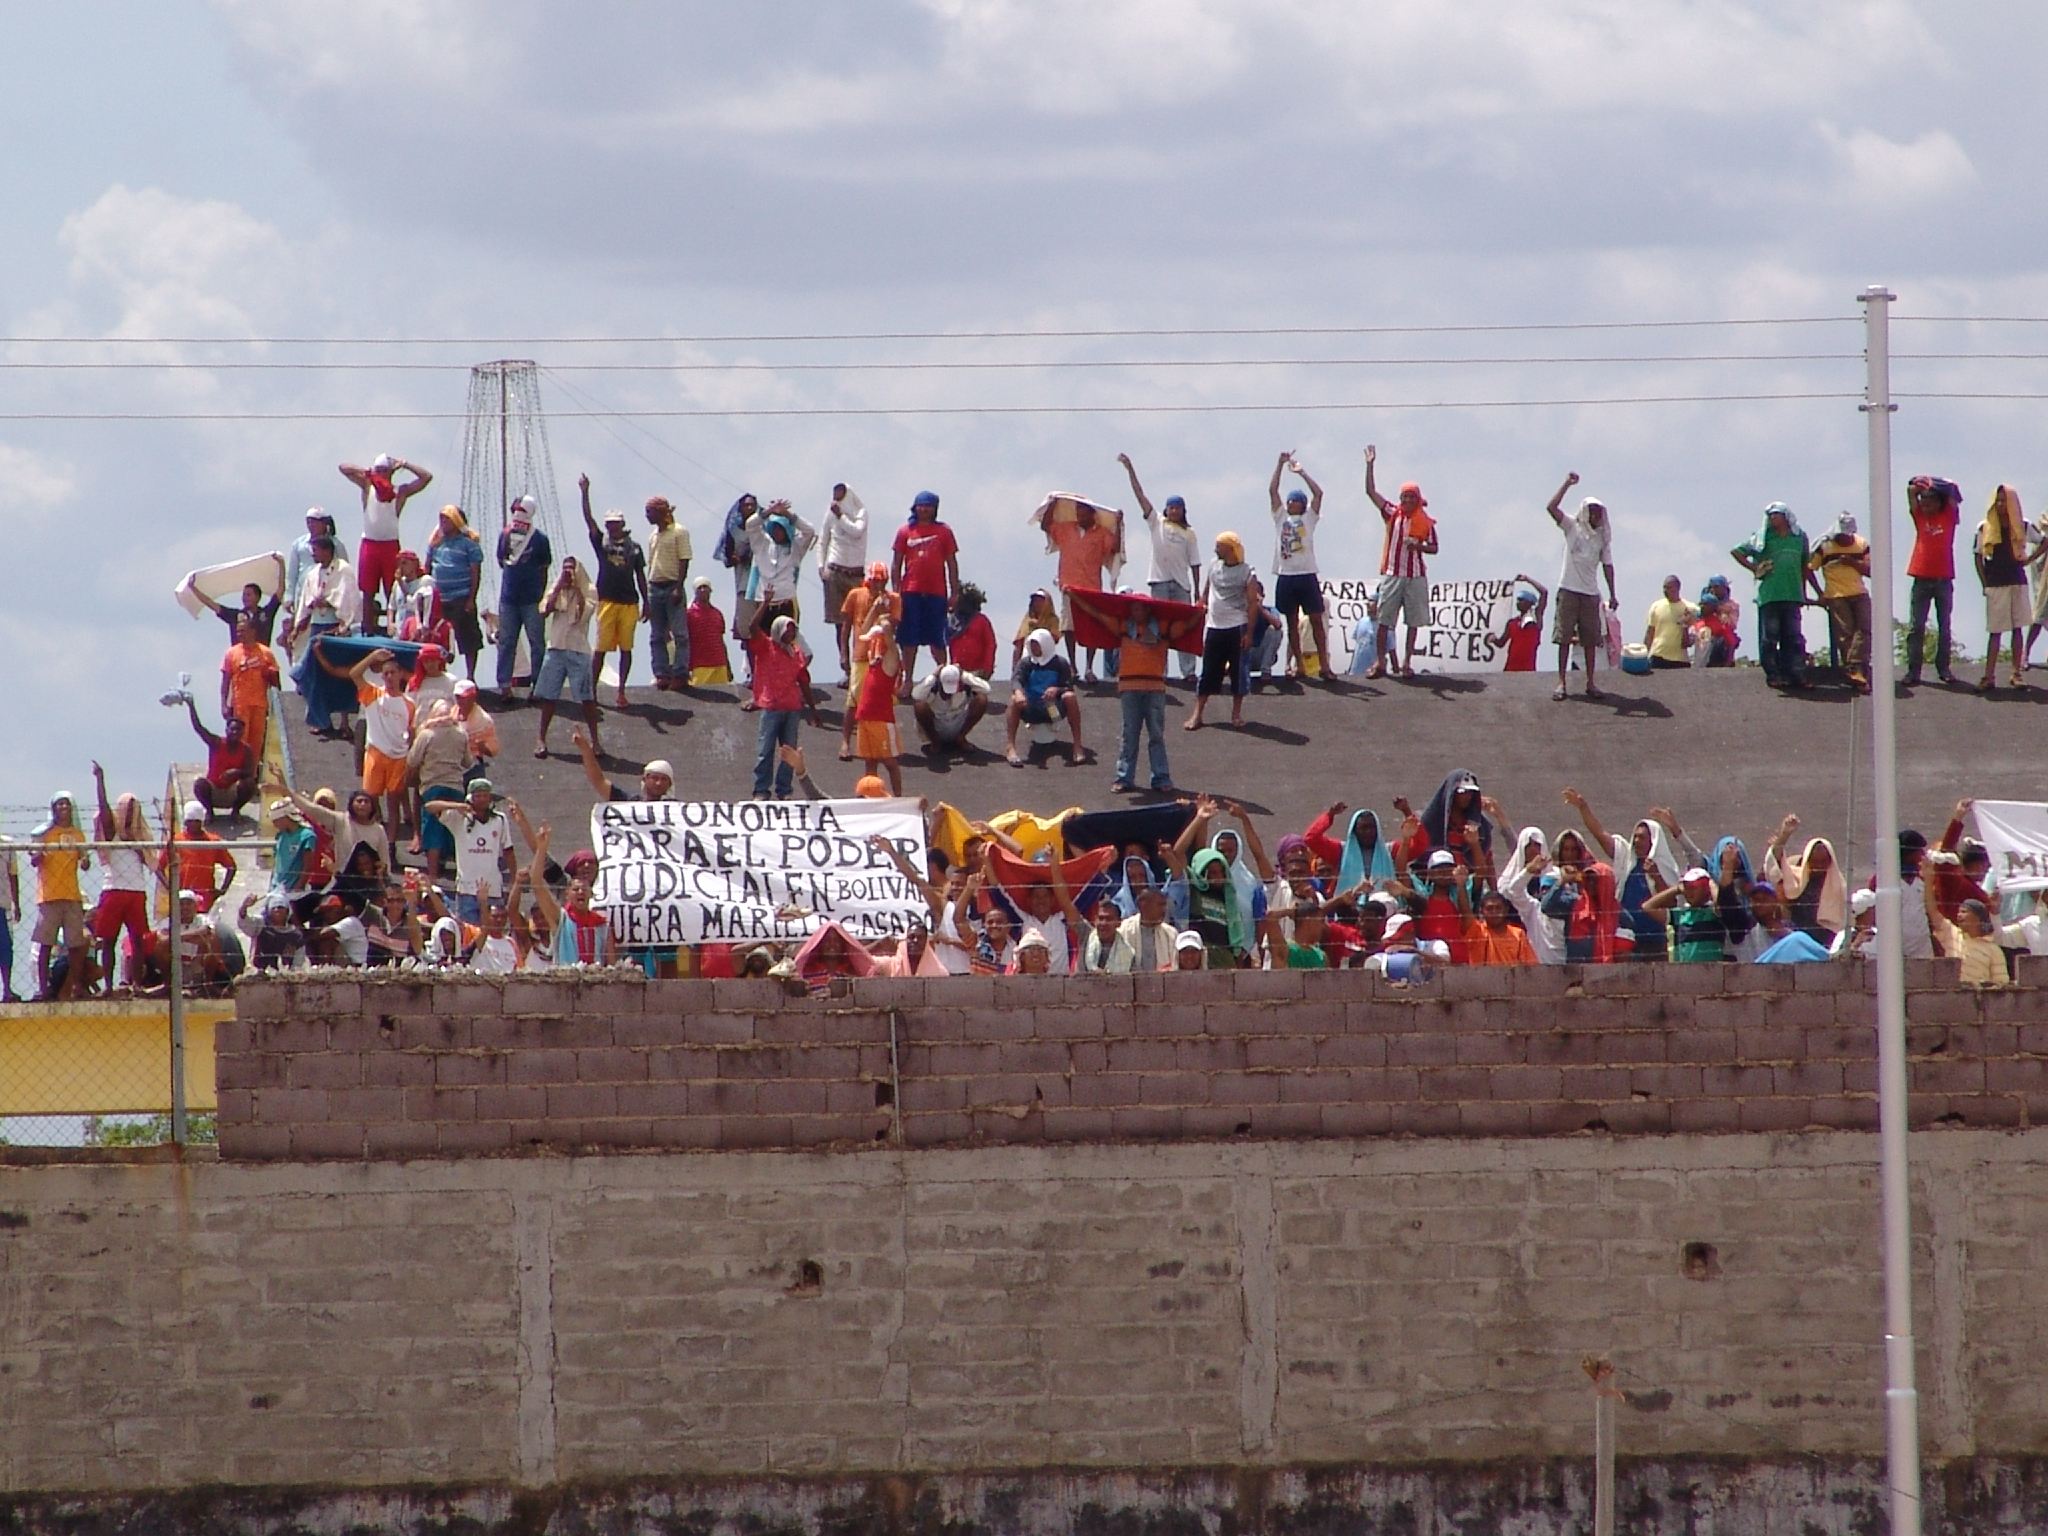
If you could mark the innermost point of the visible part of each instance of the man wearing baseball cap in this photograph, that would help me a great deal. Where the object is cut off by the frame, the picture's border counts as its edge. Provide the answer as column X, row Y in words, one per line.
column 204, row 867
column 383, row 504
column 524, row 559
column 483, row 847
column 948, row 704
column 622, row 598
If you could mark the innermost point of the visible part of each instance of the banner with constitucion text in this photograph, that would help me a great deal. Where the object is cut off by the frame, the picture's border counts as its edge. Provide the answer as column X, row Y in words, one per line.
column 716, row 871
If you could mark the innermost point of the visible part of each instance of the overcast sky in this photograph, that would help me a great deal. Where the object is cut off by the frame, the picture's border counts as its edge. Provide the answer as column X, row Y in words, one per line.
column 289, row 168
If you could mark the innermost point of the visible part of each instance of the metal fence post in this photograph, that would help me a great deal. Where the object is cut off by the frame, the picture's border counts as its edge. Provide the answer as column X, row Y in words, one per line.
column 177, row 992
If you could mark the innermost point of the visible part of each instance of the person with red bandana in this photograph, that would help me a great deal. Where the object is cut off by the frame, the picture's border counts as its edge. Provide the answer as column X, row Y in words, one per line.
column 383, row 504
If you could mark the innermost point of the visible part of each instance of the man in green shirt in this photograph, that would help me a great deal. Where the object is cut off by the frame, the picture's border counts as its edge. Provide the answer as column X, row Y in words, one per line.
column 1777, row 557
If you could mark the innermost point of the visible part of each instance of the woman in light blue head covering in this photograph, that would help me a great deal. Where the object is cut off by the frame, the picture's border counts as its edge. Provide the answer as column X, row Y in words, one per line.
column 1366, row 856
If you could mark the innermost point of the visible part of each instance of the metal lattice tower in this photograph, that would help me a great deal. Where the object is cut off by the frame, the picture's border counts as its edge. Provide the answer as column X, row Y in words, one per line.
column 505, row 451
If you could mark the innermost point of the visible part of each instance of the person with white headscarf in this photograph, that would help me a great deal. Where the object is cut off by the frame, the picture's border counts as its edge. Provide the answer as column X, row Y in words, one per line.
column 1841, row 561
column 1043, row 692
column 2002, row 568
column 1776, row 554
column 1588, row 554
column 524, row 559
column 1809, row 883
column 2037, row 567
column 1523, row 880
column 1649, row 860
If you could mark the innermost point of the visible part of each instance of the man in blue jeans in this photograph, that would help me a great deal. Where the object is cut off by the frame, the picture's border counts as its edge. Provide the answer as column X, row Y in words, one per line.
column 1777, row 556
column 782, row 694
column 668, row 567
column 1140, row 685
column 524, row 557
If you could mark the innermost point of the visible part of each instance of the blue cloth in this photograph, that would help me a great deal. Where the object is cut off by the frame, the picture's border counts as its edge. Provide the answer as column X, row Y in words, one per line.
column 1794, row 949
column 451, row 564
column 1365, row 646
column 434, row 834
column 328, row 696
column 524, row 580
column 1354, row 867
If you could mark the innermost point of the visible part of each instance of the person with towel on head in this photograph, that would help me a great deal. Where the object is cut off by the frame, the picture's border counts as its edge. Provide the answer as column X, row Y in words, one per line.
column 1523, row 633
column 524, row 559
column 298, row 560
column 1839, row 566
column 1809, row 883
column 383, row 504
column 1588, row 555
column 2002, row 568
column 710, row 666
column 877, row 741
column 1175, row 575
column 855, row 611
column 1409, row 541
column 1776, row 554
column 780, row 540
column 1650, row 861
column 925, row 569
column 1227, row 619
column 621, row 589
column 1042, row 693
column 842, row 566
column 2037, row 566
column 455, row 561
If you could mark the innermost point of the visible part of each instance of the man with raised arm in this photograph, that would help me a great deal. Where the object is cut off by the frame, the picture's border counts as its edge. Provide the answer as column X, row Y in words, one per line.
column 383, row 504
column 657, row 779
column 1588, row 554
column 1298, row 589
column 621, row 571
column 1176, row 571
column 1404, row 566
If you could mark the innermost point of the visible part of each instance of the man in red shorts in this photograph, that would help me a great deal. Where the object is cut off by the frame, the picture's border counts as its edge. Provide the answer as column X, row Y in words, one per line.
column 383, row 504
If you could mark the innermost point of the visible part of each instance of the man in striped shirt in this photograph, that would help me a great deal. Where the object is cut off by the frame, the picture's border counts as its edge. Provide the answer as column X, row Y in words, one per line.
column 1404, row 569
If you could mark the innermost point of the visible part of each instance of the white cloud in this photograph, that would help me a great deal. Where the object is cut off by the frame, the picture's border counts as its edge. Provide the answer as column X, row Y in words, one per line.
column 1881, row 173
column 365, row 47
column 32, row 486
column 178, row 266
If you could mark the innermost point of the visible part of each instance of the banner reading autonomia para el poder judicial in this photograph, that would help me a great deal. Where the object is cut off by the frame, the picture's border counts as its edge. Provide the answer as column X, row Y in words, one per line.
column 714, row 871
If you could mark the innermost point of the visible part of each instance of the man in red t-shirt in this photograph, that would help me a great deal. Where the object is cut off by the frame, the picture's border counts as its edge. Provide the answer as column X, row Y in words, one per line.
column 926, row 573
column 1523, row 633
column 1936, row 508
column 782, row 694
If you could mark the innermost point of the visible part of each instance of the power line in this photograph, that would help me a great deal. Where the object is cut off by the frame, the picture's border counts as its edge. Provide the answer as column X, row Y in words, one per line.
column 766, row 337
column 1013, row 365
column 966, row 410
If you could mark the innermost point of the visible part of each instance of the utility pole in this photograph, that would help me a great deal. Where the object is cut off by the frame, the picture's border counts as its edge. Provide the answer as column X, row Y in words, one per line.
column 1901, row 1398
column 177, row 990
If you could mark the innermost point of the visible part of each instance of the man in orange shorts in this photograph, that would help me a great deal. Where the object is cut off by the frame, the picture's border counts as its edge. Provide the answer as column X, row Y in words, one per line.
column 388, row 719
column 876, row 741
column 247, row 674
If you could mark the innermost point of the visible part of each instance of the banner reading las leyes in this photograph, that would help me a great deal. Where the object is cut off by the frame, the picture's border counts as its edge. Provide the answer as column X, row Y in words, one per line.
column 694, row 872
column 1464, row 617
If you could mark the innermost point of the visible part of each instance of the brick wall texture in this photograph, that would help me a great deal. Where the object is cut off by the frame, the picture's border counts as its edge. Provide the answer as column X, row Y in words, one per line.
column 417, row 1067
column 554, row 1320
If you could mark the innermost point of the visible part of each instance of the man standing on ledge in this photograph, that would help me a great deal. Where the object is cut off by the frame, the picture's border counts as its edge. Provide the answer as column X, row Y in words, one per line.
column 383, row 505
column 1588, row 554
column 1404, row 567
column 926, row 572
column 1936, row 509
column 621, row 589
column 1298, row 589
column 668, row 567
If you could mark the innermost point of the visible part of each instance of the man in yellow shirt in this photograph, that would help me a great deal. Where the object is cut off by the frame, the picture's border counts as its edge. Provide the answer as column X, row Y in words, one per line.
column 668, row 567
column 58, row 856
column 1664, row 634
column 1842, row 561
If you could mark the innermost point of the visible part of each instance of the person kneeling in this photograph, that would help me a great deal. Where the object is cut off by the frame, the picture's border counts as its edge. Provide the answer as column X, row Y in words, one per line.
column 948, row 704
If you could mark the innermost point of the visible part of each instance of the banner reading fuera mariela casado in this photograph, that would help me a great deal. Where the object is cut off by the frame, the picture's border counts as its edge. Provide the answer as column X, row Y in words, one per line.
column 713, row 871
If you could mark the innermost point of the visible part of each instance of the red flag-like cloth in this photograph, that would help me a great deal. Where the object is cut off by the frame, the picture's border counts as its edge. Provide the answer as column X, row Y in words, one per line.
column 1091, row 631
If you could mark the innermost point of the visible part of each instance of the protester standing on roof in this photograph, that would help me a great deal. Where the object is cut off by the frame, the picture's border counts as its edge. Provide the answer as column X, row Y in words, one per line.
column 247, row 674
column 524, row 559
column 327, row 603
column 383, row 504
column 565, row 666
column 1935, row 505
column 782, row 693
column 1776, row 555
column 206, row 871
column 780, row 540
column 299, row 559
column 1223, row 633
column 1175, row 574
column 1087, row 548
column 668, row 567
column 124, row 891
column 1523, row 633
column 926, row 571
column 1588, row 555
column 857, row 613
column 1668, row 626
column 710, row 665
column 388, row 717
column 1141, row 688
column 2002, row 568
column 736, row 554
column 58, row 855
column 877, row 741
column 455, row 559
column 1409, row 540
column 1839, row 566
column 621, row 589
column 1298, row 588
column 842, row 566
column 2037, row 565
column 10, row 919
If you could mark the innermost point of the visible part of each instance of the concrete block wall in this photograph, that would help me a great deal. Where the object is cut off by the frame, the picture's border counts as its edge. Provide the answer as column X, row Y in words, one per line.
column 413, row 1066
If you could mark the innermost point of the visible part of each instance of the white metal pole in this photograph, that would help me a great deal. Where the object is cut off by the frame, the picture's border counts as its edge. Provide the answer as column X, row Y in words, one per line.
column 1902, row 1400
column 177, row 997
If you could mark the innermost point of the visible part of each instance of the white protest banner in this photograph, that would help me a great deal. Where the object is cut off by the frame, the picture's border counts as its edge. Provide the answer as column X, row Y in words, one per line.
column 1464, row 616
column 2015, row 834
column 713, row 871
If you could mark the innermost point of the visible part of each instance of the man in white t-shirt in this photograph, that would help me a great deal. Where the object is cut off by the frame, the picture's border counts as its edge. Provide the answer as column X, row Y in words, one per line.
column 383, row 505
column 842, row 564
column 1298, row 588
column 948, row 704
column 1176, row 572
column 1588, row 551
column 483, row 848
column 388, row 715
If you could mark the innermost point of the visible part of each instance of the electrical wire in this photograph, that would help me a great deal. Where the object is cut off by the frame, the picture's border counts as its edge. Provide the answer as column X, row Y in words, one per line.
column 662, row 470
column 1009, row 365
column 741, row 413
column 1068, row 335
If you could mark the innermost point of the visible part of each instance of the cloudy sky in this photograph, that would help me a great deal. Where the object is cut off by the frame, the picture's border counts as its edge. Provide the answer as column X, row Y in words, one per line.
column 404, row 169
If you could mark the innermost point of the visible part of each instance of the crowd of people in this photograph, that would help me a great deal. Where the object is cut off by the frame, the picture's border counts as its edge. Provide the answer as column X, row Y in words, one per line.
column 423, row 862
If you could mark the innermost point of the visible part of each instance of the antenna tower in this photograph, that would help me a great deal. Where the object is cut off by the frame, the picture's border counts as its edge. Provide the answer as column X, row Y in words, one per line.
column 505, row 450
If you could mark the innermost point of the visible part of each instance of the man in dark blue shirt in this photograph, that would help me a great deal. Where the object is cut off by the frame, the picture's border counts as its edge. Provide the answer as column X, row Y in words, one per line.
column 1043, row 693
column 524, row 557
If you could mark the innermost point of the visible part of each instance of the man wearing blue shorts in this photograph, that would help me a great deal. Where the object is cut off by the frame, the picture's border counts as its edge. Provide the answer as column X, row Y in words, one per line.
column 927, row 574
column 1298, row 588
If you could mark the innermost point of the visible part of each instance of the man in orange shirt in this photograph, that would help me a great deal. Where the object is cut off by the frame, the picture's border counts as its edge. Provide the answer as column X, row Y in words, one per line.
column 853, row 613
column 247, row 674
column 1490, row 939
column 204, row 867
column 1086, row 548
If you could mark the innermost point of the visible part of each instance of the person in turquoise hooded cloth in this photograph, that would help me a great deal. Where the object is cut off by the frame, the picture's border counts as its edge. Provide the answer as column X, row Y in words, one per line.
column 1366, row 856
column 1216, row 911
